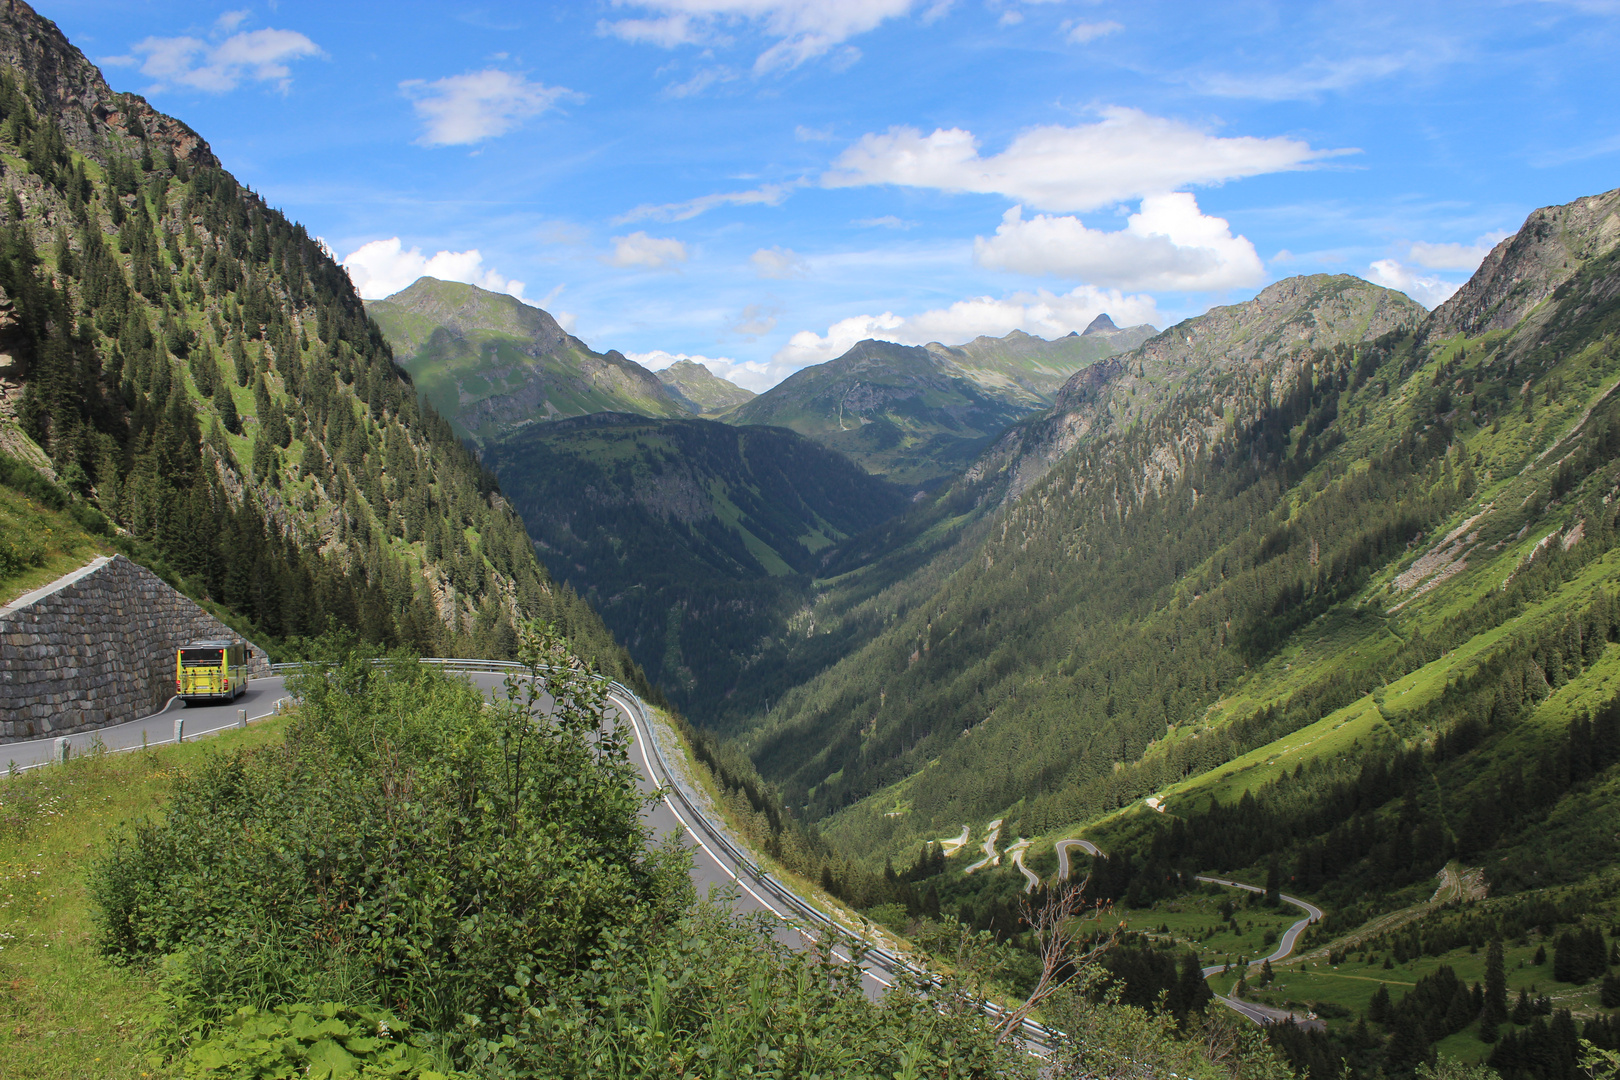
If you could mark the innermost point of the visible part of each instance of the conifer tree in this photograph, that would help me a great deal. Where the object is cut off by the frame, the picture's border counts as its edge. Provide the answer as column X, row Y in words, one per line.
column 225, row 405
column 1495, row 984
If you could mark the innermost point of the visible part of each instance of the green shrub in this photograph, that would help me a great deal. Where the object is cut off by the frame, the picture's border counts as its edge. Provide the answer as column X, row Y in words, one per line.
column 326, row 1040
column 408, row 845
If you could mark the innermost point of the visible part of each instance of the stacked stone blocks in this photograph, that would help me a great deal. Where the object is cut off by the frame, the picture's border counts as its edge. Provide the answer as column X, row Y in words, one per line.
column 96, row 648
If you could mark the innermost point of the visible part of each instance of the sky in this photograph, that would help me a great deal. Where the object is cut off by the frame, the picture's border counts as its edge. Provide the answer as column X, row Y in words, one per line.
column 759, row 184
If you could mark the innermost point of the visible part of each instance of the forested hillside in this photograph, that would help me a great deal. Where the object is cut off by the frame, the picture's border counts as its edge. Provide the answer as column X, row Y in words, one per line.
column 1295, row 522
column 183, row 359
column 697, row 541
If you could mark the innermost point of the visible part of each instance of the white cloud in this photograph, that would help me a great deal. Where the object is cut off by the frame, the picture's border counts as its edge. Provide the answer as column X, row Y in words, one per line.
column 259, row 55
column 1455, row 256
column 803, row 29
column 1167, row 244
column 462, row 109
column 1081, row 32
column 1314, row 77
column 652, row 252
column 756, row 321
column 1427, row 290
column 777, row 262
column 666, row 32
column 1041, row 313
column 751, row 374
column 1125, row 155
column 887, row 221
column 765, row 195
column 383, row 267
column 701, row 81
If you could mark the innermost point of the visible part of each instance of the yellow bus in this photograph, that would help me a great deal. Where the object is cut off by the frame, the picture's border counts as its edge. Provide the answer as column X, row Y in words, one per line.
column 211, row 670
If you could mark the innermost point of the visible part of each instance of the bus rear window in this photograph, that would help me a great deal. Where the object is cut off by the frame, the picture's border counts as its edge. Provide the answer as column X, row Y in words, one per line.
column 199, row 657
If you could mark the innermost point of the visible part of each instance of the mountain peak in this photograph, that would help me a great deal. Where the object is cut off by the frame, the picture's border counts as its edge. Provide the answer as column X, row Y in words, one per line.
column 1102, row 324
column 700, row 390
column 1520, row 272
column 489, row 362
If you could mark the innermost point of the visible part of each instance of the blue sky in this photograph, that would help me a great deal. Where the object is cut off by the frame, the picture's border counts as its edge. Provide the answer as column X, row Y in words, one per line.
column 761, row 183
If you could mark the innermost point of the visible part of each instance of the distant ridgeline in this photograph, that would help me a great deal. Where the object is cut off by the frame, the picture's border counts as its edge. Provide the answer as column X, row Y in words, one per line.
column 491, row 363
column 1274, row 546
column 179, row 355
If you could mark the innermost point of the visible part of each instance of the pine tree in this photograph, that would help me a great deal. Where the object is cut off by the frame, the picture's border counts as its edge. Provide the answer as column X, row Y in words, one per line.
column 1495, row 984
column 225, row 405
column 1378, row 1008
column 239, row 360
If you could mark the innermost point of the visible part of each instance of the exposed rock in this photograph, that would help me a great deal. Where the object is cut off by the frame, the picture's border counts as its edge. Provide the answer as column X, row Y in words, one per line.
column 1529, row 266
column 72, row 89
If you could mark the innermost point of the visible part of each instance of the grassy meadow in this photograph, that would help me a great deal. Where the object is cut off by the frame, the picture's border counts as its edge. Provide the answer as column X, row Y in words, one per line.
column 64, row 1011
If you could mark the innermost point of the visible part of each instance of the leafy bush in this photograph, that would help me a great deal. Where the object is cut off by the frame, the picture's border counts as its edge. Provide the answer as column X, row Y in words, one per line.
column 408, row 845
column 20, row 476
column 326, row 1040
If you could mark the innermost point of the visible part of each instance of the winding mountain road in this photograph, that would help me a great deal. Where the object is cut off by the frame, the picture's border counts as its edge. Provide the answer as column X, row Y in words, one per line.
column 1260, row 1014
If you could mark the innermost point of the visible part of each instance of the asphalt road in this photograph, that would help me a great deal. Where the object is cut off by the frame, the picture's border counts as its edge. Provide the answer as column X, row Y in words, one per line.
column 259, row 701
column 1260, row 1014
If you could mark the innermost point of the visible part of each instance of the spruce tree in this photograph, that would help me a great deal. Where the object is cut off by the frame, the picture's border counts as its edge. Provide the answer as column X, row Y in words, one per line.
column 225, row 405
column 1495, row 984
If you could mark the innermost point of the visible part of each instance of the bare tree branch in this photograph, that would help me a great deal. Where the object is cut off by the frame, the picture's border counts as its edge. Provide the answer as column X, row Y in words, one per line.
column 1058, row 924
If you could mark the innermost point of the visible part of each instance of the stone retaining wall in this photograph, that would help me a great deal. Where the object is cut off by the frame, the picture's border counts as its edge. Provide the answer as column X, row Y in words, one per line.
column 96, row 648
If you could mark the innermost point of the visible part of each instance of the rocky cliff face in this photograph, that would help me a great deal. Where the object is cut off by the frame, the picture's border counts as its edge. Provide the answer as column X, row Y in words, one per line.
column 92, row 117
column 1529, row 266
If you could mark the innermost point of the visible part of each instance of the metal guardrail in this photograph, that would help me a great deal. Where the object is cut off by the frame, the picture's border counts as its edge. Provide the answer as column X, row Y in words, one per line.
column 744, row 861
column 1032, row 1030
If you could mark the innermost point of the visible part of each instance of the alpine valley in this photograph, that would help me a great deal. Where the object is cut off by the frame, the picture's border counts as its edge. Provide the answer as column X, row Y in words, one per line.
column 1240, row 700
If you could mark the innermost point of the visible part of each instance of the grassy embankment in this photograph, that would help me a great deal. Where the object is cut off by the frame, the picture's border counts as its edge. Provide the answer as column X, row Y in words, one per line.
column 39, row 544
column 64, row 1011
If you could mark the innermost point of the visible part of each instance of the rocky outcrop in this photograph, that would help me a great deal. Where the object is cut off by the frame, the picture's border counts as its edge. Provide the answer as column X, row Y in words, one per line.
column 1529, row 266
column 92, row 115
column 96, row 648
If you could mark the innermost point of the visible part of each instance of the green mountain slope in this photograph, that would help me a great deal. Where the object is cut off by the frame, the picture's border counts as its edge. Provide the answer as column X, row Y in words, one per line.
column 897, row 410
column 700, row 391
column 694, row 539
column 1161, row 573
column 489, row 362
column 920, row 414
column 1035, row 365
column 1341, row 615
column 182, row 357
